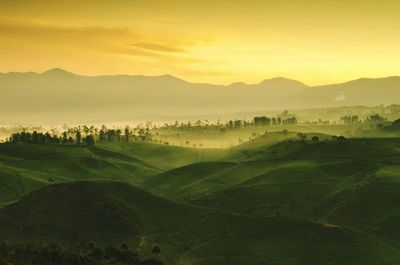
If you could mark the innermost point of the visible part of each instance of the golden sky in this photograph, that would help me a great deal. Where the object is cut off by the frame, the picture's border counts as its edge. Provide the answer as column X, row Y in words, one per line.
column 217, row 41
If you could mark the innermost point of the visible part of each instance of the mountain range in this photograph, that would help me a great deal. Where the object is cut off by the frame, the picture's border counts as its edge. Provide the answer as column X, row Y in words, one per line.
column 66, row 95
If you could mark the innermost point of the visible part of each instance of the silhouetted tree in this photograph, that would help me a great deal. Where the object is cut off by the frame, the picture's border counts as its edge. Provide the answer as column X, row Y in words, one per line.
column 78, row 137
column 64, row 138
column 89, row 140
column 127, row 134
column 156, row 250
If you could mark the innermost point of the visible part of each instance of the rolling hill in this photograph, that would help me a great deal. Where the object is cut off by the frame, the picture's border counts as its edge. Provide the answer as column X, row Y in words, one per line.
column 24, row 168
column 109, row 213
column 273, row 200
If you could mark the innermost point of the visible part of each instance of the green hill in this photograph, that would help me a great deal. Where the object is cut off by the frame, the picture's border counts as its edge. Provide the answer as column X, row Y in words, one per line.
column 166, row 157
column 24, row 168
column 101, row 211
column 273, row 200
column 113, row 212
column 75, row 212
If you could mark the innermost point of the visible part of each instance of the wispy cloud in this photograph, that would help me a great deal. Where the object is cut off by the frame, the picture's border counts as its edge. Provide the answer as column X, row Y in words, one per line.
column 107, row 40
column 104, row 49
column 159, row 47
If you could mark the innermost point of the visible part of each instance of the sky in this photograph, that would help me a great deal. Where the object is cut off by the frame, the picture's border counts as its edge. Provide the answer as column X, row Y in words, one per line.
column 220, row 42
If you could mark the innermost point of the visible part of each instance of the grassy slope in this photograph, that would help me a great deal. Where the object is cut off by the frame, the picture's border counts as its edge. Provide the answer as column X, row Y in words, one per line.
column 166, row 157
column 290, row 202
column 106, row 212
column 24, row 168
column 352, row 183
column 112, row 212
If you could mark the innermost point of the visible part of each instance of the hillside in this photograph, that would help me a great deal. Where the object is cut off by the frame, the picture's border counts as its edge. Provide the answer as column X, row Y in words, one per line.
column 273, row 200
column 80, row 212
column 106, row 212
column 24, row 168
column 111, row 213
column 327, row 181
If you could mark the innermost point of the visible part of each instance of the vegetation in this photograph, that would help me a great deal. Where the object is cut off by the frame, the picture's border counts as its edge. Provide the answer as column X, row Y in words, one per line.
column 286, row 194
column 51, row 254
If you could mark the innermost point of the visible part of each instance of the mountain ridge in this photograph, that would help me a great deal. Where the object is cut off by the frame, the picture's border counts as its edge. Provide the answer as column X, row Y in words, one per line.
column 119, row 97
column 58, row 71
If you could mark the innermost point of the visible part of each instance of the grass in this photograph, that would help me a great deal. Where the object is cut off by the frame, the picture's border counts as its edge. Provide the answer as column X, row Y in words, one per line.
column 112, row 212
column 272, row 200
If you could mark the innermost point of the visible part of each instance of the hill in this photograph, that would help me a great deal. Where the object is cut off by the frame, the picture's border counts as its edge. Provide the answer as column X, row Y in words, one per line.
column 26, row 167
column 71, row 97
column 80, row 211
column 327, row 181
column 106, row 212
column 276, row 199
column 111, row 212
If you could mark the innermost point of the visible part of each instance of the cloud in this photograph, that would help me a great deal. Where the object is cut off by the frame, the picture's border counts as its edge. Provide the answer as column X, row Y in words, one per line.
column 98, row 39
column 158, row 47
column 38, row 46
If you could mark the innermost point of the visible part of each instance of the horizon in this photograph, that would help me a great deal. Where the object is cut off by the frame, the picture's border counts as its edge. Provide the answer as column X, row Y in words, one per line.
column 193, row 82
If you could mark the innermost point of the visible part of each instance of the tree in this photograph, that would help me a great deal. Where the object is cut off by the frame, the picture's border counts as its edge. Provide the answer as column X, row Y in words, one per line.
column 118, row 134
column 315, row 139
column 156, row 250
column 126, row 134
column 89, row 140
column 375, row 118
column 302, row 136
column 259, row 121
column 78, row 137
column 48, row 138
column 64, row 138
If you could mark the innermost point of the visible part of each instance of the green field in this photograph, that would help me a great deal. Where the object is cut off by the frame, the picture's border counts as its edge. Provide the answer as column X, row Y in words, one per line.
column 275, row 199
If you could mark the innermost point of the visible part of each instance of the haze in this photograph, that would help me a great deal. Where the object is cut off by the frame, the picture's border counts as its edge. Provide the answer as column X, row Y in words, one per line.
column 219, row 42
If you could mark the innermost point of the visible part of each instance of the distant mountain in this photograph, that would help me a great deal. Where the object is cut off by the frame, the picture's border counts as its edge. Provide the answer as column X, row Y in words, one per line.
column 270, row 89
column 58, row 73
column 66, row 95
column 364, row 91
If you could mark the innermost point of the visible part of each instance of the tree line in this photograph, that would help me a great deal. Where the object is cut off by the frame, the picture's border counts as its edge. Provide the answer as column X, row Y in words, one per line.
column 82, row 135
column 354, row 119
column 266, row 121
column 47, row 138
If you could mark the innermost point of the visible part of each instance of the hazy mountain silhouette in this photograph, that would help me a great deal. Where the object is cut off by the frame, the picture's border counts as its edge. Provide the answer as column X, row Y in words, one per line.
column 58, row 72
column 122, row 96
column 364, row 91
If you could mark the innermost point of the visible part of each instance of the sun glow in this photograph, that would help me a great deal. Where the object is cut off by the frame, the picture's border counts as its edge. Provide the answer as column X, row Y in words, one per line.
column 316, row 42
